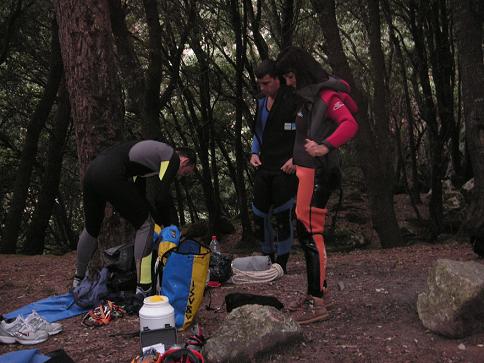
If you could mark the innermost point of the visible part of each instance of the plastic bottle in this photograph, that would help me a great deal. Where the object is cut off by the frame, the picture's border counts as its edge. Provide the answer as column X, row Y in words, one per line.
column 156, row 313
column 214, row 247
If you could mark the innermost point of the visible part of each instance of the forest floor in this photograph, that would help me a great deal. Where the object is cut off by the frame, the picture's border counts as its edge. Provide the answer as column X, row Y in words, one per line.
column 373, row 316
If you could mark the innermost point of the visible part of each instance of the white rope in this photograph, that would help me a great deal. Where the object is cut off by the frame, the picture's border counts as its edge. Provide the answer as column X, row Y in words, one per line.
column 250, row 277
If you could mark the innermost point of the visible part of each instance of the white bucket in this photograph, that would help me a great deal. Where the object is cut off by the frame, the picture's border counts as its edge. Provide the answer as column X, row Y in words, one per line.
column 156, row 313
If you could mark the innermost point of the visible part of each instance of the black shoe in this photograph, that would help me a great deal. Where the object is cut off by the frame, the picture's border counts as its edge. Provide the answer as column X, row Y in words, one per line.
column 282, row 260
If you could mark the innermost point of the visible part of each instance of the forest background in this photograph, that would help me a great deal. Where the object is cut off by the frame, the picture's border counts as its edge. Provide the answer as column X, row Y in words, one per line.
column 79, row 76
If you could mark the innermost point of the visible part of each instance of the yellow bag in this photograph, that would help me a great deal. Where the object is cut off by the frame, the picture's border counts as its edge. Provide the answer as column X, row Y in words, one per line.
column 183, row 266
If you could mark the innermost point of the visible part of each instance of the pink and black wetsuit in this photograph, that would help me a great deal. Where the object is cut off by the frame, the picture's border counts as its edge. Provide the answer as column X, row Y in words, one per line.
column 327, row 118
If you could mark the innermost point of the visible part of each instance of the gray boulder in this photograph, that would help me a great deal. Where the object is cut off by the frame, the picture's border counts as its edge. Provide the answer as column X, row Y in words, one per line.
column 251, row 331
column 453, row 305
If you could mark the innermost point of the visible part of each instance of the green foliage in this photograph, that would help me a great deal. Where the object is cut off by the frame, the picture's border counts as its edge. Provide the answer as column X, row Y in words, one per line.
column 183, row 120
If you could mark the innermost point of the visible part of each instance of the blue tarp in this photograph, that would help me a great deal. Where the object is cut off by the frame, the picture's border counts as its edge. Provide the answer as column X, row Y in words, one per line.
column 52, row 309
column 24, row 356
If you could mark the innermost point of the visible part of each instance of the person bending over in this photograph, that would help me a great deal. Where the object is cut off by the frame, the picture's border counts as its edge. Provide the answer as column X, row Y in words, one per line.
column 117, row 176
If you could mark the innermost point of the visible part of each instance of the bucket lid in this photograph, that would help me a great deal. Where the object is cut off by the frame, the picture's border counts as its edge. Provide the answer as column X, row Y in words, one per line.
column 156, row 299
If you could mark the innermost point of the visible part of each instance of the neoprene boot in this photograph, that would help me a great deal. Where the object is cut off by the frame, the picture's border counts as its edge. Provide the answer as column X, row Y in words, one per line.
column 311, row 255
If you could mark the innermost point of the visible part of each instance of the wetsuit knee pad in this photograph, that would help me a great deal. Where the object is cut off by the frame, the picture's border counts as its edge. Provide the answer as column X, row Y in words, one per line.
column 283, row 224
column 259, row 228
column 143, row 239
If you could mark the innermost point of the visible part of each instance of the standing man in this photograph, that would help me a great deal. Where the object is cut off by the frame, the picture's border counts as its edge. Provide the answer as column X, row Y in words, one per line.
column 275, row 183
column 117, row 176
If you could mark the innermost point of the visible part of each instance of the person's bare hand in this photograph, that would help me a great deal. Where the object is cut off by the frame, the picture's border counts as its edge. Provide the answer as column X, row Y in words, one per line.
column 255, row 161
column 315, row 149
column 288, row 167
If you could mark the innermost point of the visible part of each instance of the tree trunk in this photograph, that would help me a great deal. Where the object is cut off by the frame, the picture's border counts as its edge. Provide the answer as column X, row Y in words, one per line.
column 128, row 61
column 254, row 20
column 24, row 172
column 429, row 114
column 87, row 49
column 442, row 61
column 468, row 30
column 239, row 27
column 379, row 182
column 9, row 29
column 151, row 122
column 34, row 241
column 413, row 189
column 62, row 224
column 90, row 69
column 287, row 23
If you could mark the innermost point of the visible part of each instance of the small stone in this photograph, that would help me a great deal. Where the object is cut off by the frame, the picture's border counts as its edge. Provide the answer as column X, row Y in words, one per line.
column 461, row 346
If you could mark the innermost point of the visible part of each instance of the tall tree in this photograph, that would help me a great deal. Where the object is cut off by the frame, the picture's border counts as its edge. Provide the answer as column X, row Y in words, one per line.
column 87, row 49
column 371, row 148
column 239, row 26
column 89, row 64
column 418, row 15
column 9, row 26
column 24, row 172
column 414, row 192
column 469, row 17
column 35, row 237
column 255, row 24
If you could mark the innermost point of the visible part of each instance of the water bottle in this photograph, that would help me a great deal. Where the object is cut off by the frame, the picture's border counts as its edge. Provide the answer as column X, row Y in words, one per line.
column 214, row 245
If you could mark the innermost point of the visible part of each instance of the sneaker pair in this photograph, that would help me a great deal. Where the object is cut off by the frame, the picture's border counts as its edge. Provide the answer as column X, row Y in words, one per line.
column 39, row 323
column 309, row 309
column 32, row 330
column 19, row 331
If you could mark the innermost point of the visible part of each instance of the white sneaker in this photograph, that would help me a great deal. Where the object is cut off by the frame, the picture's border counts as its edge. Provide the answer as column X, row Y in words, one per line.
column 21, row 332
column 39, row 323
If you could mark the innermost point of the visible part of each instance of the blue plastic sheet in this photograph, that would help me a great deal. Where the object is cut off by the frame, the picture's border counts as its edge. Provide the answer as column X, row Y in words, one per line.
column 53, row 308
column 24, row 356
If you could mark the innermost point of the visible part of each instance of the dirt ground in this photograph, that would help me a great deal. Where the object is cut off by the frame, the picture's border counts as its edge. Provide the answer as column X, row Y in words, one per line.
column 373, row 318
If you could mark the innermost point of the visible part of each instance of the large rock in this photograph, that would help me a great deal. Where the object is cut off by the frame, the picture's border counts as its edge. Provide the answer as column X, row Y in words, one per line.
column 251, row 331
column 453, row 306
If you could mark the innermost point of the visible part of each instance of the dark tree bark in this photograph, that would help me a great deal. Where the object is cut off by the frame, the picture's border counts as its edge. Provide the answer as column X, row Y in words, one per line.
column 200, row 127
column 413, row 191
column 371, row 158
column 282, row 21
column 287, row 23
column 144, row 91
column 382, row 122
column 469, row 36
column 29, row 152
column 254, row 21
column 87, row 49
column 442, row 62
column 9, row 28
column 34, row 241
column 90, row 69
column 65, row 234
column 429, row 114
column 128, row 60
column 239, row 26
column 151, row 123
